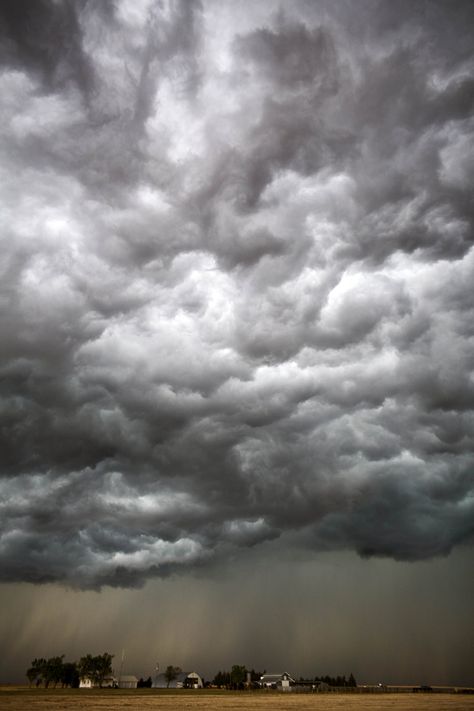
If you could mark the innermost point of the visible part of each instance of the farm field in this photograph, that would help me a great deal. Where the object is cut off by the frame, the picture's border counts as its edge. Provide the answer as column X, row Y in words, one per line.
column 118, row 700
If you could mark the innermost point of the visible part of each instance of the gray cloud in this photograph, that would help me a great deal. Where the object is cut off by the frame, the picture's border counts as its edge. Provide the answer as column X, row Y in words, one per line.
column 236, row 299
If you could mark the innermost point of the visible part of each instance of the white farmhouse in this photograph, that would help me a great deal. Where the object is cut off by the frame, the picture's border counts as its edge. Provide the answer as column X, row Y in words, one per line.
column 85, row 682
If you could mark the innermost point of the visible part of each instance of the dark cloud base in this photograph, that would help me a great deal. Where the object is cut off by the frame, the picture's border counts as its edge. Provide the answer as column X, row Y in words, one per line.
column 236, row 284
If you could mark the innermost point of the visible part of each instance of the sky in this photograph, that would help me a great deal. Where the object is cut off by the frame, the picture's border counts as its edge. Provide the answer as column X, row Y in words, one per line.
column 237, row 335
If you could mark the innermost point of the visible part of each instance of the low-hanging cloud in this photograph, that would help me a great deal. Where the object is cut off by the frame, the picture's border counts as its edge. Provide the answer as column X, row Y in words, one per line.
column 236, row 283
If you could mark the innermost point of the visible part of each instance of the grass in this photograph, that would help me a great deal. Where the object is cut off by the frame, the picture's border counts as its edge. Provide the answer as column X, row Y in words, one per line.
column 24, row 699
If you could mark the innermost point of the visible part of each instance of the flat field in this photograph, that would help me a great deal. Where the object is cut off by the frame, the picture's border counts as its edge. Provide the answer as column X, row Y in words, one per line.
column 146, row 699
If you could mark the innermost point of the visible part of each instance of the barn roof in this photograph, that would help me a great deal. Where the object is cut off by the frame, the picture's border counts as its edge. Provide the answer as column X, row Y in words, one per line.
column 275, row 677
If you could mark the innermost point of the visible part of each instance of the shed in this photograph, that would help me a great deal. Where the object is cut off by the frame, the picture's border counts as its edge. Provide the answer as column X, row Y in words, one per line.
column 128, row 681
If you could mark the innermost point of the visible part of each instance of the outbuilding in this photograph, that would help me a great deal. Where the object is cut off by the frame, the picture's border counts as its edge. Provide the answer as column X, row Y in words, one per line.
column 127, row 681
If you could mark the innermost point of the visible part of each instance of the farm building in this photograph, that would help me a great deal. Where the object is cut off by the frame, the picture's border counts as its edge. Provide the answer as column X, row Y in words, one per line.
column 127, row 681
column 183, row 680
column 277, row 681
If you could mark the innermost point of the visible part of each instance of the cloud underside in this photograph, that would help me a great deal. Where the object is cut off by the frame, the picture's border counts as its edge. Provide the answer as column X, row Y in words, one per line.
column 236, row 283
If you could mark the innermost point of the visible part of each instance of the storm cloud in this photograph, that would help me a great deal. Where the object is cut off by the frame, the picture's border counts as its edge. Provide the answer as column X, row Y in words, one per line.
column 236, row 283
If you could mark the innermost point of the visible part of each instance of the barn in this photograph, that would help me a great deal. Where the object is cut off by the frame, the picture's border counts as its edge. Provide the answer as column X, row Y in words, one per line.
column 277, row 681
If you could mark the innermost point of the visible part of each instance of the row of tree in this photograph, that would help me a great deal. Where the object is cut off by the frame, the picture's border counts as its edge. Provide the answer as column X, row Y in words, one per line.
column 56, row 671
column 337, row 680
column 237, row 677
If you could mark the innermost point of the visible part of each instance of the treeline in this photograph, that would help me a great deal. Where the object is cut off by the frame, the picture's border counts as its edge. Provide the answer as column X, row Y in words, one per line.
column 337, row 680
column 54, row 671
column 236, row 677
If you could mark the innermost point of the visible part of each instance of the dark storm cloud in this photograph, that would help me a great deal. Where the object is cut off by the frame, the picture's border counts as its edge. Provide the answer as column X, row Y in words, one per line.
column 236, row 280
column 45, row 38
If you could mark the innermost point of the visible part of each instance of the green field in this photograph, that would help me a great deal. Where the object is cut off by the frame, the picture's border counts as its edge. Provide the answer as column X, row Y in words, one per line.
column 21, row 699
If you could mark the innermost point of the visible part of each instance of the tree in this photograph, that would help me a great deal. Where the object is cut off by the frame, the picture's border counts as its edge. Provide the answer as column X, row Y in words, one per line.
column 46, row 671
column 37, row 671
column 86, row 667
column 352, row 681
column 70, row 675
column 32, row 674
column 171, row 673
column 337, row 681
column 144, row 683
column 96, row 668
column 53, row 670
column 222, row 678
column 238, row 675
column 103, row 666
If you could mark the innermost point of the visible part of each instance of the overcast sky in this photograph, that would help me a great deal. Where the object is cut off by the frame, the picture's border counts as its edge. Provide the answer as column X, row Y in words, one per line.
column 237, row 323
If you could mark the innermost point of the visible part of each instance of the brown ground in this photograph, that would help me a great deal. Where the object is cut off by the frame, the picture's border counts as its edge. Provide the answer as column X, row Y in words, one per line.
column 116, row 700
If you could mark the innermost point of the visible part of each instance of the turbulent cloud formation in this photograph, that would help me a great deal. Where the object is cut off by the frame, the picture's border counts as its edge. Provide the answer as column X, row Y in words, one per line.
column 236, row 282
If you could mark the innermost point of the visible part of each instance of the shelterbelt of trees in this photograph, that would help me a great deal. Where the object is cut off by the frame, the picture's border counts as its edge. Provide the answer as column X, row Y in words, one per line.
column 237, row 677
column 337, row 680
column 54, row 671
